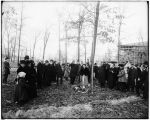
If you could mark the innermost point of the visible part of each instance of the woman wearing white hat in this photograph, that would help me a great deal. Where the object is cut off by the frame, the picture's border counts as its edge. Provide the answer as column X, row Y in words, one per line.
column 21, row 89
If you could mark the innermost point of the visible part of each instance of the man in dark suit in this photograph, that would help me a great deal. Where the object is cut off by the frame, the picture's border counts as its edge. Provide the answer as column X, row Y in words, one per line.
column 6, row 70
column 73, row 72
column 131, row 78
column 39, row 75
column 59, row 73
column 102, row 75
column 145, row 79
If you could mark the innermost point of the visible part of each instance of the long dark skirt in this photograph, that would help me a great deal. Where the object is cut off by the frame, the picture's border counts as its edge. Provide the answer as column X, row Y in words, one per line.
column 122, row 86
column 39, row 80
column 110, row 81
column 21, row 92
column 32, row 90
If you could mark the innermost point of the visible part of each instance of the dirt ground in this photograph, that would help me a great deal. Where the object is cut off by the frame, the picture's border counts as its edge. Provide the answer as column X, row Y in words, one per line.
column 64, row 102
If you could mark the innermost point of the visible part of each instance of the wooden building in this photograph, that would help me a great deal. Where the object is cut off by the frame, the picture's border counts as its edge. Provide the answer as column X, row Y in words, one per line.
column 135, row 53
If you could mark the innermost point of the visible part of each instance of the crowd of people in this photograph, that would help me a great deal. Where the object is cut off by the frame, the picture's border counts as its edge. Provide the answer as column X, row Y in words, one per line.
column 31, row 77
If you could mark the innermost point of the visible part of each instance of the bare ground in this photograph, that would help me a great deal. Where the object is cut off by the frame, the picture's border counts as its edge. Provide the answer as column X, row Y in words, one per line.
column 63, row 102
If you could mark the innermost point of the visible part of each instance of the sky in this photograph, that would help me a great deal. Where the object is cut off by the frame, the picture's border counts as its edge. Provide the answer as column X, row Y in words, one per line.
column 39, row 16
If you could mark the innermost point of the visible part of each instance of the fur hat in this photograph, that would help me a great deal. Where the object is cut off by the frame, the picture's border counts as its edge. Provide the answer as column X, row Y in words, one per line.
column 22, row 74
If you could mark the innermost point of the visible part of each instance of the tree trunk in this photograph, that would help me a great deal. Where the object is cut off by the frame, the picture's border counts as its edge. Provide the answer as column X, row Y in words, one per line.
column 119, row 30
column 34, row 47
column 11, row 52
column 94, row 41
column 46, row 37
column 79, row 31
column 20, row 34
column 15, row 45
column 85, row 52
column 43, row 53
column 30, row 51
column 8, row 44
column 66, row 44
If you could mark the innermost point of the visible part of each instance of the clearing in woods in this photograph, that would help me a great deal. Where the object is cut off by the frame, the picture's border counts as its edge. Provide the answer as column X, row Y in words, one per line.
column 63, row 102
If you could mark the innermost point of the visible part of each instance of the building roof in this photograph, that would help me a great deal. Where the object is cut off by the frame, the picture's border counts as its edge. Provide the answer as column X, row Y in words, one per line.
column 140, row 44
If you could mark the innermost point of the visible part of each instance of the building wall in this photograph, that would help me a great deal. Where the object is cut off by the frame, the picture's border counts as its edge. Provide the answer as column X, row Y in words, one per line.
column 135, row 55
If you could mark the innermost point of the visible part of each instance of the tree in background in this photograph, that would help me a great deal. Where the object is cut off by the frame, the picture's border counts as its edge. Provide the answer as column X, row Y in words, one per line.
column 35, row 42
column 45, row 40
column 9, row 23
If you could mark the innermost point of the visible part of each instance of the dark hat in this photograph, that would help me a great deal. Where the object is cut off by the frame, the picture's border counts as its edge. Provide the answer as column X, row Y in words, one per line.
column 136, row 65
column 6, row 58
column 26, row 57
column 22, row 61
column 46, row 61
column 121, row 65
column 51, row 60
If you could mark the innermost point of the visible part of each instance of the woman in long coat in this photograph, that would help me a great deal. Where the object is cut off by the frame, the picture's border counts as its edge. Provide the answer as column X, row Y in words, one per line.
column 31, row 78
column 21, row 94
column 59, row 73
column 39, row 75
column 46, row 76
column 73, row 72
column 102, row 75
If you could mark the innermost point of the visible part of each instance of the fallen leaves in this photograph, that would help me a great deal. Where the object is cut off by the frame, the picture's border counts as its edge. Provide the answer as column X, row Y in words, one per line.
column 64, row 102
column 76, row 111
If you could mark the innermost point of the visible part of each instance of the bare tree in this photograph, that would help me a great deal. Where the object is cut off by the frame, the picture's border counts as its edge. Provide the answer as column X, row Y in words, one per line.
column 119, row 32
column 46, row 38
column 20, row 32
column 14, row 49
column 78, row 24
column 94, row 41
column 8, row 23
column 35, row 41
column 8, row 42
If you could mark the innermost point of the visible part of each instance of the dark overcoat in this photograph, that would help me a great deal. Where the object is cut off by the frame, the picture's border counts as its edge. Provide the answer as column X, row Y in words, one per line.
column 21, row 91
column 74, row 70
column 6, row 68
column 131, row 76
column 84, row 71
column 31, row 78
column 102, row 74
column 111, row 73
column 59, row 70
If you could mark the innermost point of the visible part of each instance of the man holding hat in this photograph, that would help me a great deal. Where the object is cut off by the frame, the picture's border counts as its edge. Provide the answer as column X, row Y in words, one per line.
column 6, row 70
